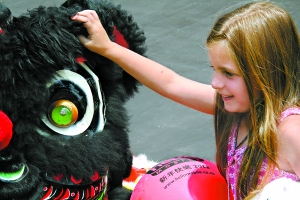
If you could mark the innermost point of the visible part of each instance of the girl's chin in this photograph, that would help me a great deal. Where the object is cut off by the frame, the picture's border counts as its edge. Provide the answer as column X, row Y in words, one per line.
column 236, row 111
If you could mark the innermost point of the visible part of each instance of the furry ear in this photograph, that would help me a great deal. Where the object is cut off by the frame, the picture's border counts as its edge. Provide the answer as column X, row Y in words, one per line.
column 120, row 27
column 69, row 3
column 128, row 34
column 128, row 28
column 5, row 15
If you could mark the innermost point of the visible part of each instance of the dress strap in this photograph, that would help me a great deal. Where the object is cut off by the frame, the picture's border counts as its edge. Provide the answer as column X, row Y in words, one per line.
column 238, row 145
column 288, row 112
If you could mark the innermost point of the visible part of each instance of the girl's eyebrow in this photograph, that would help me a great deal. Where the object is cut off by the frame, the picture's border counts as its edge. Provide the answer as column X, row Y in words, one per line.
column 226, row 69
column 222, row 68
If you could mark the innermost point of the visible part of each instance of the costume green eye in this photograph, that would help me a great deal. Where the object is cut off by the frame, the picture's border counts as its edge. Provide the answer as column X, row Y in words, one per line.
column 63, row 113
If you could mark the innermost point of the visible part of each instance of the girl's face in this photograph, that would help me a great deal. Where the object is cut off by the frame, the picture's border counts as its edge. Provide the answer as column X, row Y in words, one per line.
column 227, row 79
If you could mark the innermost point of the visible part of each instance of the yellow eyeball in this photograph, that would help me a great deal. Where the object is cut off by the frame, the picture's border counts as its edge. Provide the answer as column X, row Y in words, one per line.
column 63, row 113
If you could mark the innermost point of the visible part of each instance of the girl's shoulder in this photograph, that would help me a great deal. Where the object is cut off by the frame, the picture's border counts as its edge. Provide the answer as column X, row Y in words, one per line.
column 289, row 124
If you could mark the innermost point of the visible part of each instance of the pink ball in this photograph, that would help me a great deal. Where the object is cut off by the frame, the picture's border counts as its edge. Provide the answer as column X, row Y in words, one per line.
column 182, row 178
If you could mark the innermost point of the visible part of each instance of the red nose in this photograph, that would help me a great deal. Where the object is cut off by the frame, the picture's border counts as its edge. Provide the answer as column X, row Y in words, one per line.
column 5, row 130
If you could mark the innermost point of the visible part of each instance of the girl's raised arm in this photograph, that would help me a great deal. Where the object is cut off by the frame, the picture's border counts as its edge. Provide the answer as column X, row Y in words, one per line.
column 151, row 74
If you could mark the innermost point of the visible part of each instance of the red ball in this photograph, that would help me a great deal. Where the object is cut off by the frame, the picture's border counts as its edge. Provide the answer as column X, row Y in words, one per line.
column 182, row 178
column 5, row 130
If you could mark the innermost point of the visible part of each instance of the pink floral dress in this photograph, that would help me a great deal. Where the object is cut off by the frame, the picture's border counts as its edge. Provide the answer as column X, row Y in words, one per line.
column 235, row 157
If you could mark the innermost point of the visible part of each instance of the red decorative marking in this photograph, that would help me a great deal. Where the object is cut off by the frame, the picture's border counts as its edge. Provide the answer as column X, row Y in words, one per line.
column 75, row 181
column 48, row 193
column 66, row 195
column 92, row 191
column 100, row 187
column 119, row 38
column 80, row 59
column 1, row 31
column 58, row 177
column 95, row 177
column 134, row 174
column 87, row 193
column 77, row 196
column 60, row 195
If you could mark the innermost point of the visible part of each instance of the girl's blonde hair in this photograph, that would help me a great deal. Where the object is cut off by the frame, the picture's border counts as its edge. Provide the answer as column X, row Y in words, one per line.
column 263, row 41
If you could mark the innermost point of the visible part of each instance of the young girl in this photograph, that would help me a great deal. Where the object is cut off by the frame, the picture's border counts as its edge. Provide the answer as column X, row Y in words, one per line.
column 254, row 95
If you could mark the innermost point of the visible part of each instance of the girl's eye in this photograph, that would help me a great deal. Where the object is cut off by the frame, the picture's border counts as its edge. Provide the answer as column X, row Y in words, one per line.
column 228, row 74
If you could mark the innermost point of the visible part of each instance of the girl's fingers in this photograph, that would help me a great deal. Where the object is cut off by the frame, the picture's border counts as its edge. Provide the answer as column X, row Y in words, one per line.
column 79, row 18
column 93, row 15
column 83, row 39
column 86, row 15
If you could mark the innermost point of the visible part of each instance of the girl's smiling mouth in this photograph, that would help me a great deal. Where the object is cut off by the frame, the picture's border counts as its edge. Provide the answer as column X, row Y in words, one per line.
column 226, row 97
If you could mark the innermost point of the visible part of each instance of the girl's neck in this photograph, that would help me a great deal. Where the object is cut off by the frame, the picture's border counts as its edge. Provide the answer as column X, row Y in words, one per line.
column 243, row 132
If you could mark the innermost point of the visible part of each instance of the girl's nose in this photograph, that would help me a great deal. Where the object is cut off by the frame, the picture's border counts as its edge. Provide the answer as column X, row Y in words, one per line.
column 217, row 82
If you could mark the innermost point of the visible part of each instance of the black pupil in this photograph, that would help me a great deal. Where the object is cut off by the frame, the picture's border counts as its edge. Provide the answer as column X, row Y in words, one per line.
column 64, row 89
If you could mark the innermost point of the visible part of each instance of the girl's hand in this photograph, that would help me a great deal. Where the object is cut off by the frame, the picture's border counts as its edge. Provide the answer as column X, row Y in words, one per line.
column 98, row 40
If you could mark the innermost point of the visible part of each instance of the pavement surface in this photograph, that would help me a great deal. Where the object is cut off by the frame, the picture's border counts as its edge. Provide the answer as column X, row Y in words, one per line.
column 176, row 31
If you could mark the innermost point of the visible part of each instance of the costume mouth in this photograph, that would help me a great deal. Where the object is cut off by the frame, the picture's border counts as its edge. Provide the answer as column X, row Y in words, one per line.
column 59, row 187
column 71, row 180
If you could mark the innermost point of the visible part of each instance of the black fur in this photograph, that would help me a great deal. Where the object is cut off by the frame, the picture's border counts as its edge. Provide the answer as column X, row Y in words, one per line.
column 33, row 47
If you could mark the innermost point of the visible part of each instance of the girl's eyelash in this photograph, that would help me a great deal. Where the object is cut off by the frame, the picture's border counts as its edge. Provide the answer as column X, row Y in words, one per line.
column 228, row 73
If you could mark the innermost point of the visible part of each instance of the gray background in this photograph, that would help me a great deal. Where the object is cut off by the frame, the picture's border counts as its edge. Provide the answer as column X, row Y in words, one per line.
column 176, row 31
